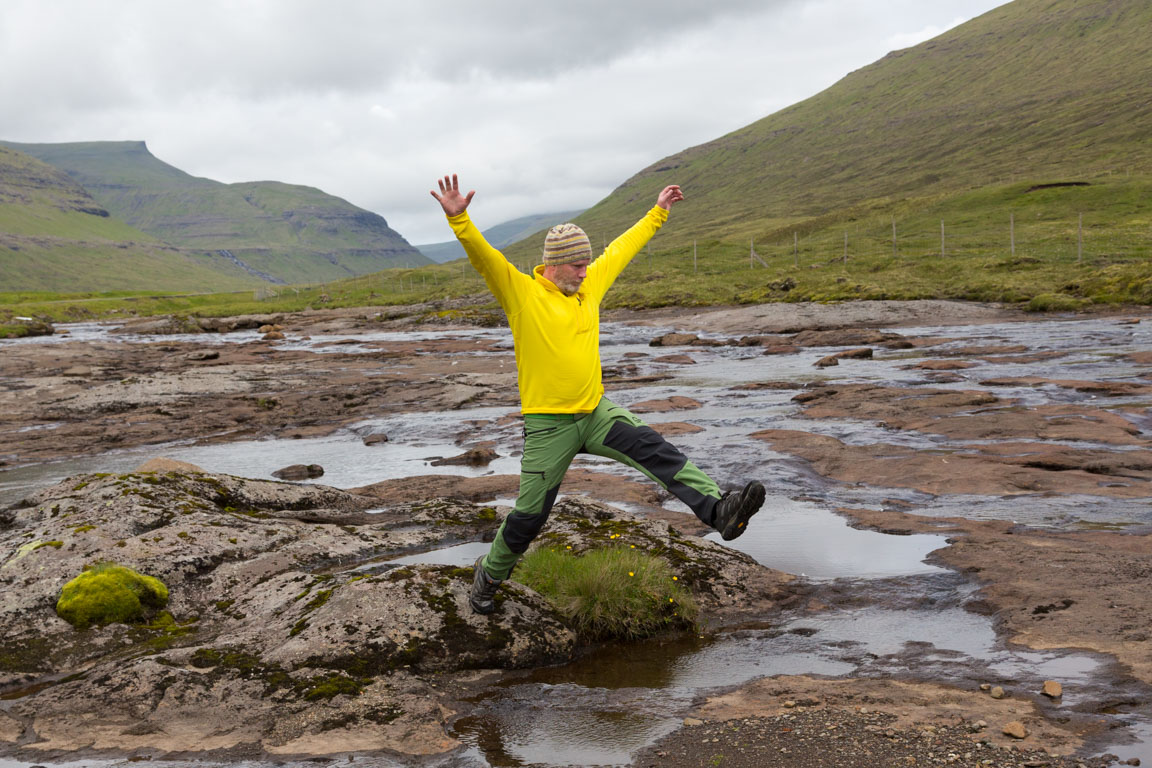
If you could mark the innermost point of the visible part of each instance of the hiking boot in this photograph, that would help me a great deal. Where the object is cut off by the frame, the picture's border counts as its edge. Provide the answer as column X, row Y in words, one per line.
column 483, row 589
column 734, row 510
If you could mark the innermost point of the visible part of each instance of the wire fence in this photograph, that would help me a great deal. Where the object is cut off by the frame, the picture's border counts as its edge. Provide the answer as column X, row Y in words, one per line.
column 1026, row 240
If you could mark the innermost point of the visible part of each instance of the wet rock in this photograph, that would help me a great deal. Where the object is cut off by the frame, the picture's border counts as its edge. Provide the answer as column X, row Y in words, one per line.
column 827, row 362
column 843, row 337
column 692, row 722
column 272, row 635
column 27, row 326
column 273, row 336
column 997, row 692
column 237, row 322
column 673, row 340
column 269, row 328
column 675, row 360
column 204, row 354
column 941, row 365
column 164, row 465
column 299, row 472
column 1015, row 729
column 475, row 457
column 162, row 325
column 674, row 403
column 1052, row 689
column 10, row 728
column 377, row 439
column 78, row 371
column 673, row 428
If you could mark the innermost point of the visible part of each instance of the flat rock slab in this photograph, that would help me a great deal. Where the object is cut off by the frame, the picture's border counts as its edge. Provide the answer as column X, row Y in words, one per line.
column 286, row 626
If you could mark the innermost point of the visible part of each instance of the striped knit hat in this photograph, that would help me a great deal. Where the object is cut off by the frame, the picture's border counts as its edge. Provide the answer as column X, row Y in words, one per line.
column 566, row 243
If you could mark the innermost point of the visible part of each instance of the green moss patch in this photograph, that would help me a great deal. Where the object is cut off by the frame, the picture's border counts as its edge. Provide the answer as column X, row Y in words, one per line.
column 610, row 593
column 109, row 593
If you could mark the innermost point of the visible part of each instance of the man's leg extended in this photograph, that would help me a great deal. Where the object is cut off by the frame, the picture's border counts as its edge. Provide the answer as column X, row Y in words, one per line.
column 550, row 443
column 618, row 434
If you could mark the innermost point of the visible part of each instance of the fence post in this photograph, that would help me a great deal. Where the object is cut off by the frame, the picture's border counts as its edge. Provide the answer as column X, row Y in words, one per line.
column 1080, row 240
column 895, row 253
column 1012, row 232
column 795, row 248
column 693, row 257
column 941, row 237
column 751, row 250
column 845, row 246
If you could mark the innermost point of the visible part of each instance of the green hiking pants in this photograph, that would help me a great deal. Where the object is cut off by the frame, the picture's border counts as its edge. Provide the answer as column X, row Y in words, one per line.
column 551, row 441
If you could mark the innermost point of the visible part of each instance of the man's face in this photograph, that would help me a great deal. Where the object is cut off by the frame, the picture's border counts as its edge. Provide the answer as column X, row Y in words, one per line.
column 568, row 277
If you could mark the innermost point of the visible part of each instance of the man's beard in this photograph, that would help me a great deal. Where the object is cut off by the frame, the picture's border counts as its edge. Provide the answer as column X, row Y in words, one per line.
column 569, row 287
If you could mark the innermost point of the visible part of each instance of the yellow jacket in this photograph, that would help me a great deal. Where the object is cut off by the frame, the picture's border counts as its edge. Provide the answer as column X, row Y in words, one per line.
column 557, row 337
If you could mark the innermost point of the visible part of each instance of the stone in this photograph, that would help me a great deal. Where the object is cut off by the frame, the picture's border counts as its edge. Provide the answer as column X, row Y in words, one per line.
column 675, row 360
column 273, row 336
column 674, row 403
column 78, row 371
column 476, row 457
column 997, row 692
column 692, row 722
column 827, row 362
column 299, row 472
column 204, row 354
column 673, row 340
column 377, row 439
column 985, row 686
column 1015, row 729
column 1052, row 689
column 161, row 464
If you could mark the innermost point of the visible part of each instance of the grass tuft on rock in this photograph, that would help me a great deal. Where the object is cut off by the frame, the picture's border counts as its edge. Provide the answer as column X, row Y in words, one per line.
column 613, row 593
column 108, row 593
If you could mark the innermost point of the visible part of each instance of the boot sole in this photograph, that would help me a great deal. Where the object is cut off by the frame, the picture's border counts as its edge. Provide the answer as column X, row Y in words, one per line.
column 751, row 499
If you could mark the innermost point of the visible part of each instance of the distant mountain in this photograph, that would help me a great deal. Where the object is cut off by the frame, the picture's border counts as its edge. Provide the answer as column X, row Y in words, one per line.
column 1035, row 90
column 55, row 237
column 272, row 231
column 500, row 235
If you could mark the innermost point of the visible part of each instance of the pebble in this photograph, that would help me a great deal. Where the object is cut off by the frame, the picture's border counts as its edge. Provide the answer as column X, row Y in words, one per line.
column 1052, row 689
column 997, row 693
column 1016, row 730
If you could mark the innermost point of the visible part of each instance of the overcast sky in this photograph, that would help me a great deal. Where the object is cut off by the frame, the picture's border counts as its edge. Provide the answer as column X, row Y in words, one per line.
column 539, row 106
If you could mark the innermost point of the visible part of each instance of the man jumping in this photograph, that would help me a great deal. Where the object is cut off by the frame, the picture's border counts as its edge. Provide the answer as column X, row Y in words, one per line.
column 554, row 314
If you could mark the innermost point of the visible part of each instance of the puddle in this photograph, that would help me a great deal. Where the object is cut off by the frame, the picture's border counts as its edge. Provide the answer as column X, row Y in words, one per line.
column 804, row 539
column 459, row 555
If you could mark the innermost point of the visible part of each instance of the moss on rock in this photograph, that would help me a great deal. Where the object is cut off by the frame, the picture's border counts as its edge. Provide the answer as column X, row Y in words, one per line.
column 109, row 593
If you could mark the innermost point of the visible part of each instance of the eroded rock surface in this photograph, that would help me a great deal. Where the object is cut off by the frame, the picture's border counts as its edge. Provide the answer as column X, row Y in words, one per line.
column 286, row 628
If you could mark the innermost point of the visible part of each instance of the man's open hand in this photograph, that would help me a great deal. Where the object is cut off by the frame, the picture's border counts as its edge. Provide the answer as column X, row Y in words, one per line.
column 452, row 201
column 670, row 194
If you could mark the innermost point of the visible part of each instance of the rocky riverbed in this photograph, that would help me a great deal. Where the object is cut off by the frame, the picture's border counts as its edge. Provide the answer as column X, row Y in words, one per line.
column 288, row 633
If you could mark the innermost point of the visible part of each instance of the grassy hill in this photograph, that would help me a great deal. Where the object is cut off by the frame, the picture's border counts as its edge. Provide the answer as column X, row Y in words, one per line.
column 499, row 236
column 276, row 232
column 54, row 235
column 949, row 147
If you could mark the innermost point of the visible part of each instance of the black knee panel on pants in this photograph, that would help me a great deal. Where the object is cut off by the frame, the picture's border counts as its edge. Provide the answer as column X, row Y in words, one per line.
column 520, row 529
column 648, row 448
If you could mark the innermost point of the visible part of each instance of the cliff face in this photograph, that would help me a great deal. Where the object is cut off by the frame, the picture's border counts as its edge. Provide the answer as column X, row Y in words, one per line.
column 278, row 232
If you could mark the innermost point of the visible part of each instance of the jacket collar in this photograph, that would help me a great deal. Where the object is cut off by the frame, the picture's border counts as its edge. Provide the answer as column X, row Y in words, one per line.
column 538, row 276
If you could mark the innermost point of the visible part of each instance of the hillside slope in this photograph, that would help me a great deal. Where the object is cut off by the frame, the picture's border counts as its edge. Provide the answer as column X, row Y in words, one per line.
column 55, row 236
column 1042, row 90
column 278, row 232
column 499, row 236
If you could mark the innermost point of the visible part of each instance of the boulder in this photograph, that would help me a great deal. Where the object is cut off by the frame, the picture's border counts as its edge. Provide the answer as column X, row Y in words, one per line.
column 377, row 439
column 1015, row 729
column 476, row 457
column 673, row 340
column 273, row 336
column 161, row 464
column 1052, row 689
column 299, row 472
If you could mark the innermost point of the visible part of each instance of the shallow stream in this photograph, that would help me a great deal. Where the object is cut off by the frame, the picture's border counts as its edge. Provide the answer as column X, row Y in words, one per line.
column 906, row 619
